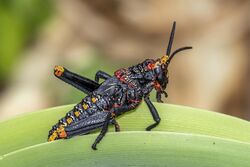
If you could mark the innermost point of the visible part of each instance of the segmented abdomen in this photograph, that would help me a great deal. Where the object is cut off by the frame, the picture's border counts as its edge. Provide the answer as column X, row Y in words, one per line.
column 87, row 107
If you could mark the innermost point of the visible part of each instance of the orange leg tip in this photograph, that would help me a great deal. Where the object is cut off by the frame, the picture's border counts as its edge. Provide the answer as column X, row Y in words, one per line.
column 58, row 70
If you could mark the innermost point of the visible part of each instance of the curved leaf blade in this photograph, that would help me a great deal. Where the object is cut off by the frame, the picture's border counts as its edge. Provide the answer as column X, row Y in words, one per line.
column 135, row 149
column 32, row 128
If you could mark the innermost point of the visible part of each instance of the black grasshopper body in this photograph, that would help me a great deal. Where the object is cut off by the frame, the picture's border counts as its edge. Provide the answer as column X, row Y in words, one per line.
column 119, row 93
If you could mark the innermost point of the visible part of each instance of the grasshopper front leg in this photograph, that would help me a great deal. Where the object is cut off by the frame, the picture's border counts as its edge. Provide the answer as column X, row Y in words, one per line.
column 101, row 74
column 117, row 126
column 154, row 113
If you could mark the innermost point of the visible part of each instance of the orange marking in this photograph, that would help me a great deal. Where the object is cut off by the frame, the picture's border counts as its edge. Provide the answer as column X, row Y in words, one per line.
column 59, row 71
column 62, row 133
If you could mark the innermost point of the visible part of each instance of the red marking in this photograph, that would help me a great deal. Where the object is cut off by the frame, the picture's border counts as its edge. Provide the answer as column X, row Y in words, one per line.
column 157, row 86
column 123, row 79
column 150, row 66
column 130, row 85
column 116, row 105
column 134, row 101
column 119, row 73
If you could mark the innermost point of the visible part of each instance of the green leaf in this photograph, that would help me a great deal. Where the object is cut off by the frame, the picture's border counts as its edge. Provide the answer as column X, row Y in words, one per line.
column 32, row 128
column 134, row 149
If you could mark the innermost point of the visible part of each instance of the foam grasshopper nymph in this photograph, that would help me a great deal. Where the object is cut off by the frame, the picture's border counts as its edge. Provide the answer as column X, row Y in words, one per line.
column 118, row 94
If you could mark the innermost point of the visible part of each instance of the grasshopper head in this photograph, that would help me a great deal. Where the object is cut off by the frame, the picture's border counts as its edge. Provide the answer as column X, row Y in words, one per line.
column 161, row 65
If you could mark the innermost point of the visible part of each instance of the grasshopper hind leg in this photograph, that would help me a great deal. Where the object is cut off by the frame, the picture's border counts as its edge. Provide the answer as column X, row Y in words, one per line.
column 86, row 125
column 103, row 131
column 84, row 84
column 90, row 124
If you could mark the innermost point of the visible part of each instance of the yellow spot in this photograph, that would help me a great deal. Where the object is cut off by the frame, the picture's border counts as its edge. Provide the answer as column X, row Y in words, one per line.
column 53, row 136
column 94, row 99
column 156, row 64
column 69, row 120
column 59, row 70
column 62, row 125
column 77, row 113
column 164, row 59
column 85, row 106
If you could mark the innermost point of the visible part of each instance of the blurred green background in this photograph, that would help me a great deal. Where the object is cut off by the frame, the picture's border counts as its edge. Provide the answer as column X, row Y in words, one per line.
column 85, row 36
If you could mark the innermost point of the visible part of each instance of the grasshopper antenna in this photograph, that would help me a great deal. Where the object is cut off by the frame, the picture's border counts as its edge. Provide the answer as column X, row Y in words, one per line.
column 171, row 39
column 177, row 51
